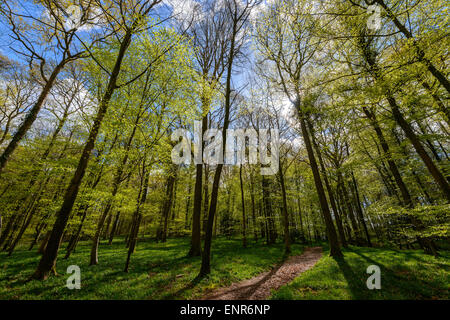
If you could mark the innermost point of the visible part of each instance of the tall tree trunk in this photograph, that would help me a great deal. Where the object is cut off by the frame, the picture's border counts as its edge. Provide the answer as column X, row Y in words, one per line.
column 350, row 212
column 252, row 198
column 137, row 215
column 359, row 209
column 287, row 240
column 115, row 188
column 205, row 200
column 188, row 205
column 26, row 223
column 114, row 228
column 76, row 237
column 244, row 239
column 106, row 226
column 267, row 203
column 47, row 264
column 44, row 243
column 9, row 227
column 432, row 168
column 168, row 200
column 407, row 201
column 196, row 247
column 335, row 250
column 206, row 255
column 328, row 186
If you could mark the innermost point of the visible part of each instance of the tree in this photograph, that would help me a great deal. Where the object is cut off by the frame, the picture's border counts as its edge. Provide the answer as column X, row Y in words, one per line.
column 137, row 14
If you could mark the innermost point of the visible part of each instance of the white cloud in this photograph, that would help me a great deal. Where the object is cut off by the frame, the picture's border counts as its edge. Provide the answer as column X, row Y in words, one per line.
column 186, row 11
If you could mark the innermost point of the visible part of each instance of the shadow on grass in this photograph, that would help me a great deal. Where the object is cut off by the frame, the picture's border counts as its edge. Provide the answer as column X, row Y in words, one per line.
column 244, row 292
column 191, row 285
column 397, row 282
column 355, row 285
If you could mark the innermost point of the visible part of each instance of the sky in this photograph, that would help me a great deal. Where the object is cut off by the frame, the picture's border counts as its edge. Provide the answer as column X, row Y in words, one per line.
column 180, row 8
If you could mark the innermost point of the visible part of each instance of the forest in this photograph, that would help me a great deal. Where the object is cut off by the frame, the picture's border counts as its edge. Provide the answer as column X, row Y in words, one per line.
column 174, row 149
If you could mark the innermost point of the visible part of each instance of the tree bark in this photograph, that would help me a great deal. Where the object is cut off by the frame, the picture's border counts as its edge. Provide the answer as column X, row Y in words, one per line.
column 196, row 247
column 407, row 201
column 168, row 200
column 359, row 210
column 335, row 250
column 137, row 217
column 31, row 116
column 47, row 263
column 287, row 240
column 328, row 187
column 432, row 168
column 244, row 239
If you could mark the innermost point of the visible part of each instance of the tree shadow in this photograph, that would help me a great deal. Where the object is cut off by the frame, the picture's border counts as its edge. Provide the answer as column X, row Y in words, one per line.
column 191, row 285
column 355, row 285
column 241, row 291
column 400, row 283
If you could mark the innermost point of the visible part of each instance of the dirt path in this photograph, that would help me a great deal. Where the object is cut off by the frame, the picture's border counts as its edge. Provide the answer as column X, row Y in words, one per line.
column 259, row 287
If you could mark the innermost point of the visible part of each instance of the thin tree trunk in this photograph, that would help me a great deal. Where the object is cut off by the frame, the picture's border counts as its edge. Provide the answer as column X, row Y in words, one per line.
column 114, row 228
column 206, row 255
column 407, row 201
column 72, row 245
column 287, row 241
column 244, row 239
column 359, row 209
column 137, row 216
column 168, row 200
column 252, row 198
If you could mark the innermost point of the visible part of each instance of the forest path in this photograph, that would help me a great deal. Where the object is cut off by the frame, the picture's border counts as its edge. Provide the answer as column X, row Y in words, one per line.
column 259, row 287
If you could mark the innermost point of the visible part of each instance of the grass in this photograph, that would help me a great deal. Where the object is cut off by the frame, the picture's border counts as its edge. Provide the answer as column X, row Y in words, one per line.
column 406, row 274
column 157, row 271
column 163, row 271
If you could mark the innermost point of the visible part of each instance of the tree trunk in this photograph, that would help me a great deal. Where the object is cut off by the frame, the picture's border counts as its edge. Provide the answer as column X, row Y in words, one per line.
column 252, row 198
column 420, row 54
column 287, row 240
column 137, row 216
column 335, row 250
column 31, row 116
column 72, row 245
column 328, row 186
column 206, row 255
column 392, row 166
column 434, row 171
column 114, row 228
column 359, row 209
column 244, row 239
column 47, row 263
column 168, row 200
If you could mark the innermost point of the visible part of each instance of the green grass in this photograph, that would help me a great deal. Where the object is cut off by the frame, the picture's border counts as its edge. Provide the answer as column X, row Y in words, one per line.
column 163, row 271
column 407, row 274
column 157, row 271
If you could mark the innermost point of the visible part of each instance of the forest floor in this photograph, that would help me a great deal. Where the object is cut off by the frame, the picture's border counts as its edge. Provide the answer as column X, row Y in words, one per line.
column 157, row 270
column 163, row 271
column 405, row 274
column 261, row 286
